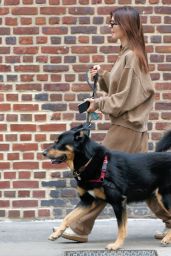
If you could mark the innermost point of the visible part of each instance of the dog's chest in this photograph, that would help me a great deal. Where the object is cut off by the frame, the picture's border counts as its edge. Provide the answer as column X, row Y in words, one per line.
column 91, row 192
column 97, row 193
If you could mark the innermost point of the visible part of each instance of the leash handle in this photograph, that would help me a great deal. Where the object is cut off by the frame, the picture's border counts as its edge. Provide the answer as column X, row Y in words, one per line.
column 91, row 116
column 88, row 118
column 95, row 79
column 93, row 85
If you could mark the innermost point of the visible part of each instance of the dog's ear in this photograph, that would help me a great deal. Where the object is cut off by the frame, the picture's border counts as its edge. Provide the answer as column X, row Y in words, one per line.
column 79, row 135
column 82, row 132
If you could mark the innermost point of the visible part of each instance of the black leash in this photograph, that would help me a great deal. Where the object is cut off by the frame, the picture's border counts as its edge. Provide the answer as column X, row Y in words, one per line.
column 93, row 86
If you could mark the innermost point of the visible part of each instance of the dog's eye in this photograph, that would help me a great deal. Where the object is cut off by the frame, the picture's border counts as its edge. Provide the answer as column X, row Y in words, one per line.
column 63, row 147
column 59, row 146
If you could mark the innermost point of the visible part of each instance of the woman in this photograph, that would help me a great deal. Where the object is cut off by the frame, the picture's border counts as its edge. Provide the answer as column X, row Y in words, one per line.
column 128, row 101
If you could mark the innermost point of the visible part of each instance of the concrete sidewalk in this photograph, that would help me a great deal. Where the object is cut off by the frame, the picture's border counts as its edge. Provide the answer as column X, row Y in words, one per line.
column 30, row 238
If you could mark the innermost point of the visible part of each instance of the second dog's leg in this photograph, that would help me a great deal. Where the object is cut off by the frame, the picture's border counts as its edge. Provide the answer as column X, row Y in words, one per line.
column 77, row 213
column 167, row 239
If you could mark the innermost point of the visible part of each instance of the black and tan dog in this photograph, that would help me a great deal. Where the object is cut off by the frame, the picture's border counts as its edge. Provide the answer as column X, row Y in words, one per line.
column 116, row 177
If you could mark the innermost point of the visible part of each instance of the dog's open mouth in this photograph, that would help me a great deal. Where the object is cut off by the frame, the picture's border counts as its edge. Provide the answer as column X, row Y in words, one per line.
column 59, row 159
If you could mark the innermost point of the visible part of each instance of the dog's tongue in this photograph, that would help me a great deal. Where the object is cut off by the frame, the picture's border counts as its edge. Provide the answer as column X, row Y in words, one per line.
column 59, row 159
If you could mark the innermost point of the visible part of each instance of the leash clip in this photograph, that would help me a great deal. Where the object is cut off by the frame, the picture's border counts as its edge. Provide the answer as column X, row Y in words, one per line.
column 76, row 175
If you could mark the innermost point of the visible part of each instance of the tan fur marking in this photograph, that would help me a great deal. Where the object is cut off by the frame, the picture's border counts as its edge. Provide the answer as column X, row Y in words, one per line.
column 70, row 164
column 70, row 148
column 159, row 199
column 70, row 157
column 69, row 153
column 167, row 238
column 55, row 153
column 81, row 191
column 122, row 231
column 99, row 193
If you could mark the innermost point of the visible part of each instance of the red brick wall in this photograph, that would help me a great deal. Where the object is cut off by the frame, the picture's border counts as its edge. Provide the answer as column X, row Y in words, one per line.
column 46, row 46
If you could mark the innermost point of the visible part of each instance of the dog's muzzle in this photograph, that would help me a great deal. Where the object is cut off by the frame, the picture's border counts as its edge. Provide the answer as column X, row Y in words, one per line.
column 59, row 159
column 45, row 153
column 55, row 160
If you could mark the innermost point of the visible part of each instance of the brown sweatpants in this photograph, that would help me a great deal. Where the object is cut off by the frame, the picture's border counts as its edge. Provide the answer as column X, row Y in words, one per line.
column 126, row 140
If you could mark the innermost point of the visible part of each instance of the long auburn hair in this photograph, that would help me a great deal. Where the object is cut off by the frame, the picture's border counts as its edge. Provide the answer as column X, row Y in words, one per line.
column 129, row 20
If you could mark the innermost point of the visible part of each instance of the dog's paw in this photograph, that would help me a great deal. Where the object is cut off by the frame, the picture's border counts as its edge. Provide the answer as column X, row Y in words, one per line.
column 54, row 229
column 166, row 240
column 55, row 235
column 113, row 246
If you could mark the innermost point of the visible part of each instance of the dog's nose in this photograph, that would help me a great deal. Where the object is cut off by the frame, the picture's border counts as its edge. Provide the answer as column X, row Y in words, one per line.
column 45, row 153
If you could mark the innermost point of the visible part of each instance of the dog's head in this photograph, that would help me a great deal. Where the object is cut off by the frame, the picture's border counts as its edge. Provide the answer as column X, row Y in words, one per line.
column 67, row 144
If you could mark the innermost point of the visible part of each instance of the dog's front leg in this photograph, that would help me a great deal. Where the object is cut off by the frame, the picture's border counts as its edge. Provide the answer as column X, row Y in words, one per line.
column 121, row 216
column 167, row 239
column 76, row 214
column 57, row 232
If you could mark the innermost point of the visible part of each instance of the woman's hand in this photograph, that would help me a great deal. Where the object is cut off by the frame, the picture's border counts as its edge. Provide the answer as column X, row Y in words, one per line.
column 94, row 70
column 92, row 107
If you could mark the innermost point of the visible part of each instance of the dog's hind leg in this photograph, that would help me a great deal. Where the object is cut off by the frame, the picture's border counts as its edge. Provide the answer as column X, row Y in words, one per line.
column 121, row 216
column 167, row 239
column 164, row 200
column 164, row 212
column 76, row 214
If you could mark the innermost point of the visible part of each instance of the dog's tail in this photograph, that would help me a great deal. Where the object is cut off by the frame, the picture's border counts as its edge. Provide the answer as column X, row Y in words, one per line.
column 164, row 143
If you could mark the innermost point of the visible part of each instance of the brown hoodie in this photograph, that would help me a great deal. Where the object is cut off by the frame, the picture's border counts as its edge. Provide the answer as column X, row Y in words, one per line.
column 130, row 93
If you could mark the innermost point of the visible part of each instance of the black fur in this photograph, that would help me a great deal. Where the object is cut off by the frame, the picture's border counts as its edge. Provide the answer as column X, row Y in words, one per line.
column 129, row 177
column 165, row 143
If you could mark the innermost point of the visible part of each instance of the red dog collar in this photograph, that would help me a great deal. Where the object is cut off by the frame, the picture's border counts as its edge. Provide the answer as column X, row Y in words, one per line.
column 103, row 172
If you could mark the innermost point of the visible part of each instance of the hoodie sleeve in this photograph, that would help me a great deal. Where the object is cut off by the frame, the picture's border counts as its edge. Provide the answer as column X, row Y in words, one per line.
column 104, row 81
column 129, row 95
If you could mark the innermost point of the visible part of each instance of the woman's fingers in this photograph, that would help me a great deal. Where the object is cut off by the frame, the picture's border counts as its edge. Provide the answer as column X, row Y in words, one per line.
column 93, row 72
column 97, row 67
